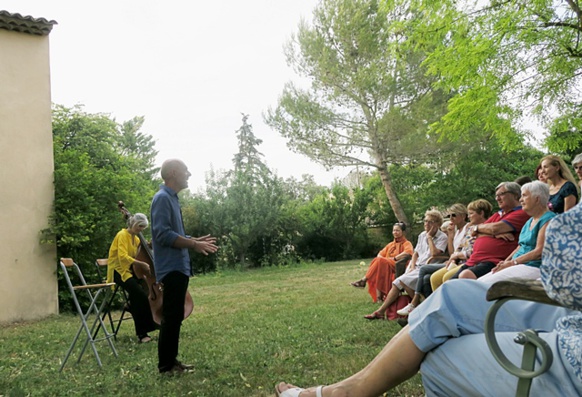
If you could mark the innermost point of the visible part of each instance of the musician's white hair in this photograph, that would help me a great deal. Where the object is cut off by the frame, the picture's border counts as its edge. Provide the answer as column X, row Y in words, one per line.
column 138, row 219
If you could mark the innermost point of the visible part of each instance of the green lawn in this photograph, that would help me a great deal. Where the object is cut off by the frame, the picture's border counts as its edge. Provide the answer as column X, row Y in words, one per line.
column 249, row 330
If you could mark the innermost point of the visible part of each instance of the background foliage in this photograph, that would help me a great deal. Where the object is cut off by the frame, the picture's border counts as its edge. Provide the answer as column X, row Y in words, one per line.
column 97, row 163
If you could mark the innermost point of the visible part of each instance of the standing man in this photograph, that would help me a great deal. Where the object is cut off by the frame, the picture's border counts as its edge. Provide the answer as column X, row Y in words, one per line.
column 172, row 261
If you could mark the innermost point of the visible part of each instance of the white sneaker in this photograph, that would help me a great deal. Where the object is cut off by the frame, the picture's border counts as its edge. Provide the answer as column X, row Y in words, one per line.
column 405, row 311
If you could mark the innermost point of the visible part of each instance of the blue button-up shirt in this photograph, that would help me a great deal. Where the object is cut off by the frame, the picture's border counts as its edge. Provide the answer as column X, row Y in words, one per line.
column 167, row 225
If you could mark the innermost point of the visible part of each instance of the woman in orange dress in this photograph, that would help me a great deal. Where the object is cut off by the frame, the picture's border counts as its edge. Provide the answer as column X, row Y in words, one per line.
column 380, row 274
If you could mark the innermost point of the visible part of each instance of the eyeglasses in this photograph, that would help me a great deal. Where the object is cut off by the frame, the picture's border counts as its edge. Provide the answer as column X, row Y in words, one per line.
column 453, row 215
column 428, row 221
column 499, row 195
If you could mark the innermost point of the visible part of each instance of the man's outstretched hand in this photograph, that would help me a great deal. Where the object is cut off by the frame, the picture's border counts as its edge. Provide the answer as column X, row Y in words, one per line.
column 204, row 245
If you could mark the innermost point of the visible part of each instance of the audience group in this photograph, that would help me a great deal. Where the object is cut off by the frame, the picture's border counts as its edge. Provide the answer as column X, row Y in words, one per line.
column 478, row 247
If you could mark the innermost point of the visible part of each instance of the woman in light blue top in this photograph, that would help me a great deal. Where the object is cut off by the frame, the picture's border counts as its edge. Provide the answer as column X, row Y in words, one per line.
column 525, row 260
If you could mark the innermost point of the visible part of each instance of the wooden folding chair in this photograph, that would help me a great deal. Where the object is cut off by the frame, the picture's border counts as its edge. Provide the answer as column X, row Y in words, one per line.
column 125, row 314
column 93, row 292
column 502, row 292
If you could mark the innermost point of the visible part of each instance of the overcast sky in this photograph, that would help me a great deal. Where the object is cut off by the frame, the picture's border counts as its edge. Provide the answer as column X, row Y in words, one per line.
column 190, row 67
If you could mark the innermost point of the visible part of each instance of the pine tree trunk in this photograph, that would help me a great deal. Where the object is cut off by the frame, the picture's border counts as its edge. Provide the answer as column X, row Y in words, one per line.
column 392, row 197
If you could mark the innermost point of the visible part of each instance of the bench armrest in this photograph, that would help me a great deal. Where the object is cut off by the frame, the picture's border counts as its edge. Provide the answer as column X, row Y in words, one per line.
column 531, row 290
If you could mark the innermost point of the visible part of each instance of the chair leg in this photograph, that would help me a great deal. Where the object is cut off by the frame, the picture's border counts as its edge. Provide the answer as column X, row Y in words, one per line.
column 107, row 313
column 89, row 331
column 124, row 311
column 71, row 347
column 121, row 318
column 97, row 324
column 82, row 327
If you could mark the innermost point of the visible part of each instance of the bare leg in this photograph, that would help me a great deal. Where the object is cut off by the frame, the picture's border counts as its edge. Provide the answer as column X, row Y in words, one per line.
column 468, row 274
column 398, row 361
column 416, row 300
column 408, row 290
column 390, row 299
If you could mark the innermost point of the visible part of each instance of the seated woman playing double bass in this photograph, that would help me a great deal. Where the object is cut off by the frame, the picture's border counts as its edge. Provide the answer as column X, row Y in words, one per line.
column 122, row 254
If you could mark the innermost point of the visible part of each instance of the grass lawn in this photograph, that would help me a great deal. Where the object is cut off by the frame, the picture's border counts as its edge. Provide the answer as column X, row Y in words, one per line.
column 249, row 330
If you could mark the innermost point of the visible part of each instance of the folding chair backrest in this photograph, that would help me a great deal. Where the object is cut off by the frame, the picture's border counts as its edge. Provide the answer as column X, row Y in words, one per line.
column 68, row 265
column 100, row 264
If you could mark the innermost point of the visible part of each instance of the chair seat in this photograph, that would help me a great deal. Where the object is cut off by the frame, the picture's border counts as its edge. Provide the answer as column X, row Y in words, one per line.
column 93, row 286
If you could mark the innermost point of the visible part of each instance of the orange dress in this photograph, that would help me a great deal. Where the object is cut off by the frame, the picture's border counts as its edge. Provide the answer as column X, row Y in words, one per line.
column 380, row 274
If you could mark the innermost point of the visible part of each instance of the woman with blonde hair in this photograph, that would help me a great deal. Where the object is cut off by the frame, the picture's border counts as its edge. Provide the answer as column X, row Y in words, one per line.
column 456, row 231
column 563, row 187
column 540, row 174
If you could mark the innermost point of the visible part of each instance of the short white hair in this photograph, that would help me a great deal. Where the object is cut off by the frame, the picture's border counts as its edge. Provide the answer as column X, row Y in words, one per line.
column 138, row 219
column 538, row 189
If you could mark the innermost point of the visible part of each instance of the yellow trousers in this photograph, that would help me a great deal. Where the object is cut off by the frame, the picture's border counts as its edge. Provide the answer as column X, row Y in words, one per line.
column 440, row 276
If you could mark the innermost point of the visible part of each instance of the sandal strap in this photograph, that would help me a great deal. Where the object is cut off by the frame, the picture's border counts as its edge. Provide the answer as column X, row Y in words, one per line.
column 295, row 391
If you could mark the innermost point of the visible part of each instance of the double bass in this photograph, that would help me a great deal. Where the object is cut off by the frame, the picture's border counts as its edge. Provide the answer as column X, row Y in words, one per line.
column 155, row 288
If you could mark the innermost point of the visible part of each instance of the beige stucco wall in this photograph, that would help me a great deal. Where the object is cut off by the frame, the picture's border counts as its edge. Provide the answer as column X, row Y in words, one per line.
column 28, row 284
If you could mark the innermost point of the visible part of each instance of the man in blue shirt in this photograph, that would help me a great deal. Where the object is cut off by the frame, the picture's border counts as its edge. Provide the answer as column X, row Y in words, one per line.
column 172, row 261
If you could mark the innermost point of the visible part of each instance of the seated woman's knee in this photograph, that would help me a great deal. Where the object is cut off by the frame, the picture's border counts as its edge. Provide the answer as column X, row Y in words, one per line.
column 467, row 274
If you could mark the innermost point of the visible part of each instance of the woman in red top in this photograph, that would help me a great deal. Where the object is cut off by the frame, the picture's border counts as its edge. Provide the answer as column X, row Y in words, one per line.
column 380, row 274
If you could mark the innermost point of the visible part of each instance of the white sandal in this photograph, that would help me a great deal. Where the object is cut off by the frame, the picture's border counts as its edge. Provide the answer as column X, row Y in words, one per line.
column 294, row 392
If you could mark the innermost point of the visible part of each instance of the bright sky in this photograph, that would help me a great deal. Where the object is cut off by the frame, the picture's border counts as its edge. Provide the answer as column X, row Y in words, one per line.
column 190, row 67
